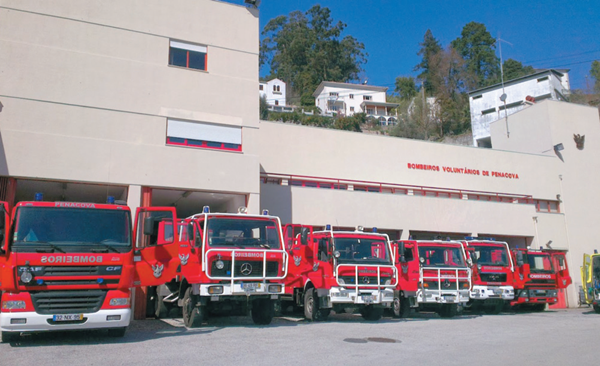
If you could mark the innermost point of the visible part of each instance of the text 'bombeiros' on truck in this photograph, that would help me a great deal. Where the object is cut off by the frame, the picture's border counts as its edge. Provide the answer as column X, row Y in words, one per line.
column 221, row 263
column 65, row 266
column 343, row 271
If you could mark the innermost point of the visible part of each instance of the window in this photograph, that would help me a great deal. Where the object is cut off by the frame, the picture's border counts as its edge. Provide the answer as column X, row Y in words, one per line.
column 276, row 88
column 187, row 55
column 488, row 111
column 367, row 97
column 351, row 96
column 351, row 109
column 542, row 79
column 276, row 102
column 370, row 111
column 204, row 135
column 260, row 87
column 477, row 96
column 333, row 94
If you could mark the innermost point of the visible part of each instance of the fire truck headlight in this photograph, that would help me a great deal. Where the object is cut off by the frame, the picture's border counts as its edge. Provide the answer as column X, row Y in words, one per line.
column 523, row 293
column 552, row 293
column 13, row 305
column 219, row 264
column 119, row 301
column 26, row 277
column 388, row 282
column 341, row 281
column 215, row 290
column 274, row 288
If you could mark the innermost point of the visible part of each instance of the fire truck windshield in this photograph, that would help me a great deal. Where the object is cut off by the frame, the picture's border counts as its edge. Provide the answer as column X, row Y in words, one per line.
column 491, row 255
column 58, row 227
column 539, row 263
column 441, row 256
column 361, row 250
column 243, row 233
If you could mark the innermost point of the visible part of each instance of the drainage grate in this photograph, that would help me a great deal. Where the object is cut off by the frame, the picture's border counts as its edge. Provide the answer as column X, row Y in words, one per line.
column 372, row 339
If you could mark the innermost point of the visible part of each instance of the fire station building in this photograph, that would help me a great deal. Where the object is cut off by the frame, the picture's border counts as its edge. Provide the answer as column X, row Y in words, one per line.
column 156, row 103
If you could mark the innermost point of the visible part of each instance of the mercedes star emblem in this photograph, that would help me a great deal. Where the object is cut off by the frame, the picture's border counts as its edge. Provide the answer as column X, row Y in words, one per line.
column 246, row 269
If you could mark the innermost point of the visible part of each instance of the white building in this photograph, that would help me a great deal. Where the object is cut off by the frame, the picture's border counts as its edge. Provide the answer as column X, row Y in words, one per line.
column 487, row 104
column 346, row 99
column 274, row 92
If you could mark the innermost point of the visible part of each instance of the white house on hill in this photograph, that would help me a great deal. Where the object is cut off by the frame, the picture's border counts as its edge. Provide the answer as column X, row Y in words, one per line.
column 487, row 104
column 274, row 91
column 346, row 99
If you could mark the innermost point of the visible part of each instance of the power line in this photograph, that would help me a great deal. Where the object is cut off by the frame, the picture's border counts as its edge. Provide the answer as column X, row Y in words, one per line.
column 567, row 56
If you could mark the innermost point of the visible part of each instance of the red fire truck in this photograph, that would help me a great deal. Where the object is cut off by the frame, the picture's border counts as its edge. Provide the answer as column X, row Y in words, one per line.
column 221, row 263
column 343, row 271
column 433, row 276
column 539, row 277
column 493, row 274
column 65, row 266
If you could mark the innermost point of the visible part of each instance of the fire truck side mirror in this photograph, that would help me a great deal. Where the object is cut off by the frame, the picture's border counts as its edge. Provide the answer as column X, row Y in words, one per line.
column 401, row 256
column 190, row 231
column 520, row 260
column 149, row 226
column 2, row 223
column 304, row 236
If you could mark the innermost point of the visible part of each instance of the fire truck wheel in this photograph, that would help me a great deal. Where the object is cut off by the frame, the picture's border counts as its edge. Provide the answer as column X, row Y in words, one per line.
column 538, row 307
column 494, row 309
column 263, row 311
column 371, row 313
column 400, row 307
column 192, row 314
column 448, row 310
column 597, row 308
column 117, row 332
column 311, row 307
column 161, row 308
column 8, row 337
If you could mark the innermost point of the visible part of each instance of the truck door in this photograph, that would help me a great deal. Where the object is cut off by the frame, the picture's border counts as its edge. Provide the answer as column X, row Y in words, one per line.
column 563, row 278
column 4, row 227
column 586, row 278
column 156, row 257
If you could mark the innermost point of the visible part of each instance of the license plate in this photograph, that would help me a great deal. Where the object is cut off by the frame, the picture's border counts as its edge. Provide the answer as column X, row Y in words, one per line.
column 367, row 298
column 450, row 298
column 250, row 287
column 497, row 292
column 67, row 317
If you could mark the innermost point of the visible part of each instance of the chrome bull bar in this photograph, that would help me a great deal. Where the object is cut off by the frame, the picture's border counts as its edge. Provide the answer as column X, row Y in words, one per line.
column 378, row 286
column 457, row 279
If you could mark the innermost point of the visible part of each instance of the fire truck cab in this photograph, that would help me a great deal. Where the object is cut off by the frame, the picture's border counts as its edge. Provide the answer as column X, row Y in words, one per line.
column 590, row 279
column 444, row 277
column 493, row 271
column 65, row 266
column 343, row 271
column 539, row 275
column 226, row 263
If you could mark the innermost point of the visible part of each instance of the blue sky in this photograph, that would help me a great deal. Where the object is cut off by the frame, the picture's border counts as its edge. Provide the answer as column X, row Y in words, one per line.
column 543, row 34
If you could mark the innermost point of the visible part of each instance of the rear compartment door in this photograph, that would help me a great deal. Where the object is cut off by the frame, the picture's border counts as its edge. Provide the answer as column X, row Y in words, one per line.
column 156, row 257
column 4, row 227
column 563, row 278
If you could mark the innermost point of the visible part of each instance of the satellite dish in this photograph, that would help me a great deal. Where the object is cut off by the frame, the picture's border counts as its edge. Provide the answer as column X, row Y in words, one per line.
column 503, row 97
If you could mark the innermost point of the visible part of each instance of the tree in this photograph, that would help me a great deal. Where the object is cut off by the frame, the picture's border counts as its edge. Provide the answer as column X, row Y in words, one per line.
column 264, row 108
column 595, row 72
column 429, row 47
column 305, row 49
column 406, row 87
column 477, row 47
column 513, row 69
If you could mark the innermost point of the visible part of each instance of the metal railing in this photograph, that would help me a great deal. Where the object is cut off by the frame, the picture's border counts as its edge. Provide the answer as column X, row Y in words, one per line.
column 378, row 286
column 451, row 278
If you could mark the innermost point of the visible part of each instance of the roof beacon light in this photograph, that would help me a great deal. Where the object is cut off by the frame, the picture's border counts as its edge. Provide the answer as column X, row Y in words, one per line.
column 205, row 209
column 39, row 196
column 242, row 210
column 374, row 229
column 360, row 228
column 266, row 212
column 328, row 227
column 541, row 248
column 110, row 200
column 595, row 251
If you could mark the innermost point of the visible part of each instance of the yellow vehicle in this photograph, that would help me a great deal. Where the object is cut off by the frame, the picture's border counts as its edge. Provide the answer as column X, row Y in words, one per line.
column 590, row 277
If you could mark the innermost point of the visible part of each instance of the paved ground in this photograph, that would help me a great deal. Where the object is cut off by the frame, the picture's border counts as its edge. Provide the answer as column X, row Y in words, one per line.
column 557, row 337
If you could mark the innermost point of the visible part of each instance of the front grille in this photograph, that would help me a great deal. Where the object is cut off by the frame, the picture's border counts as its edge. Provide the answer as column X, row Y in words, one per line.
column 67, row 302
column 256, row 269
column 72, row 282
column 363, row 280
column 493, row 277
column 542, row 282
column 70, row 270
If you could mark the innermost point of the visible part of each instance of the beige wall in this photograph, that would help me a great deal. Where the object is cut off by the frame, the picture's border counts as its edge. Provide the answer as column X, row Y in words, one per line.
column 86, row 91
column 578, row 171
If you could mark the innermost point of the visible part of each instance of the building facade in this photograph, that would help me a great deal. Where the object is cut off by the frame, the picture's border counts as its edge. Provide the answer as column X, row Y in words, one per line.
column 488, row 104
column 346, row 99
column 274, row 91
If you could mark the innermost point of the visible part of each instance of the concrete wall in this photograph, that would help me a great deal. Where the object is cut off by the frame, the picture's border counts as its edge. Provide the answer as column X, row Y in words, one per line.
column 86, row 92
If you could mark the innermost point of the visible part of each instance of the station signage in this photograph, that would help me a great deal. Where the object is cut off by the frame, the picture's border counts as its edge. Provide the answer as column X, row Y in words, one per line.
column 463, row 170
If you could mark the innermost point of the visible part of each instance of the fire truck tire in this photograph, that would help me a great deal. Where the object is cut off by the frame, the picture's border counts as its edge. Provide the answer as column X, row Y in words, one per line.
column 263, row 311
column 597, row 308
column 371, row 313
column 400, row 307
column 161, row 308
column 448, row 310
column 192, row 315
column 494, row 309
column 538, row 307
column 8, row 337
column 117, row 332
column 311, row 307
